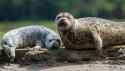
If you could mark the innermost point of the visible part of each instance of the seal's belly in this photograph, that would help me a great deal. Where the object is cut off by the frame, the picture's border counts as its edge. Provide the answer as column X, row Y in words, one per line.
column 26, row 42
column 81, row 41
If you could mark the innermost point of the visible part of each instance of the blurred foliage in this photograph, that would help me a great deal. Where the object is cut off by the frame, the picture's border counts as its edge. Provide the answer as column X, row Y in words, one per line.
column 47, row 9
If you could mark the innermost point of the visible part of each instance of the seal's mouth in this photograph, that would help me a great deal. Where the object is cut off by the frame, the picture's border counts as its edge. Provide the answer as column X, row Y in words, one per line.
column 62, row 25
column 55, row 46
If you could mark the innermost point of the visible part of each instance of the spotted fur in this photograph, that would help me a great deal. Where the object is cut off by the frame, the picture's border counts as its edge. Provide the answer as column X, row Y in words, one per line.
column 90, row 32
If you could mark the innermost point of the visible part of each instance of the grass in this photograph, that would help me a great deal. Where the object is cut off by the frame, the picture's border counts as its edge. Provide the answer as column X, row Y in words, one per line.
column 6, row 26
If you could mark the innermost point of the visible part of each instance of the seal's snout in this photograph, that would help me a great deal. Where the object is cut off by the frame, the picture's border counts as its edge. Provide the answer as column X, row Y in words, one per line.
column 62, row 23
column 63, row 19
column 56, row 44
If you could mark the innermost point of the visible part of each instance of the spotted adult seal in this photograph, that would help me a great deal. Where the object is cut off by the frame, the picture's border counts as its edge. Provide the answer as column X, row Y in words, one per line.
column 89, row 32
column 29, row 36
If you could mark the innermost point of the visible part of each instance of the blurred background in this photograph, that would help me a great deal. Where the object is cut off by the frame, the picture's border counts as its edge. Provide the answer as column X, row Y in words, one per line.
column 16, row 13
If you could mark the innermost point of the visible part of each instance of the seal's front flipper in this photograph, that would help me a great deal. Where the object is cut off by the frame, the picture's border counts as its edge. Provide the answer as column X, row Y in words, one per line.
column 98, row 43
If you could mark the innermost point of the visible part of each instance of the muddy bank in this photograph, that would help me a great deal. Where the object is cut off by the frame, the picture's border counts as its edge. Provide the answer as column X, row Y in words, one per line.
column 64, row 55
column 65, row 60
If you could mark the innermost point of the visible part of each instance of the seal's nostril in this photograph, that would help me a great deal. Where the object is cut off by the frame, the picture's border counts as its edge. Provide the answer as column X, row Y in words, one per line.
column 63, row 19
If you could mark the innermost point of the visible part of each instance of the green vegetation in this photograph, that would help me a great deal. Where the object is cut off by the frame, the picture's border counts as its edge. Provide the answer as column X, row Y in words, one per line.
column 6, row 26
column 47, row 9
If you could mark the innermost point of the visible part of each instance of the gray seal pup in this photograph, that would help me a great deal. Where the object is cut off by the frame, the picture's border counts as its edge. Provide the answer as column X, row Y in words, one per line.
column 29, row 36
column 89, row 32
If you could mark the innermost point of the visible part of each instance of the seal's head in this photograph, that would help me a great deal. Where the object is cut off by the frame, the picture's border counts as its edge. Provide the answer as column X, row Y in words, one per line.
column 52, row 42
column 64, row 21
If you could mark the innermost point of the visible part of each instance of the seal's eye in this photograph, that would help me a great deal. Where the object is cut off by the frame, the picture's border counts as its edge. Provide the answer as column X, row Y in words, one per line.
column 68, row 17
column 50, row 40
column 58, row 17
column 57, row 40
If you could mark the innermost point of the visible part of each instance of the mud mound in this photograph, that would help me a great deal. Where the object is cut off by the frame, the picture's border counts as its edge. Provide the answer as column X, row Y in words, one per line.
column 65, row 60
column 29, row 56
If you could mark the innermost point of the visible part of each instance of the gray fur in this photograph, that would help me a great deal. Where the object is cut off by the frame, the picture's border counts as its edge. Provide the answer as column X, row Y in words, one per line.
column 29, row 36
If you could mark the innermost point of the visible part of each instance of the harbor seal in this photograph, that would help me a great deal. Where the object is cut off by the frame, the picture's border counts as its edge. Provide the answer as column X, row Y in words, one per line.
column 89, row 32
column 29, row 36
